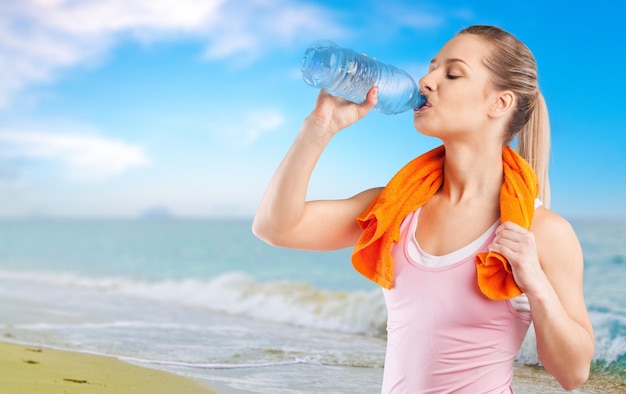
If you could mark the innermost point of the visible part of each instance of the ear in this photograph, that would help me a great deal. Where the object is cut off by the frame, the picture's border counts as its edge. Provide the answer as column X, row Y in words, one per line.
column 502, row 104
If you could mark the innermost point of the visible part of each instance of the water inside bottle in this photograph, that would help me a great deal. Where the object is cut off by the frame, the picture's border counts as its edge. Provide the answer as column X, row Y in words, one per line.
column 345, row 73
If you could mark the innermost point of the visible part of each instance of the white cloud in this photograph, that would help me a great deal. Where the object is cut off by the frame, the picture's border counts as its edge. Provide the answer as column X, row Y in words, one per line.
column 86, row 157
column 258, row 123
column 410, row 15
column 40, row 38
column 251, row 27
column 251, row 127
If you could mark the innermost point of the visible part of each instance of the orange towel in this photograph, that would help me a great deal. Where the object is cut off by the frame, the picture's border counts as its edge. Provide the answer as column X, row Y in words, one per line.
column 411, row 188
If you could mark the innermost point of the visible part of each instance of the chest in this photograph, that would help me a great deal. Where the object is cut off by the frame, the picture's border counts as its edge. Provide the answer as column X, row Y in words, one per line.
column 443, row 229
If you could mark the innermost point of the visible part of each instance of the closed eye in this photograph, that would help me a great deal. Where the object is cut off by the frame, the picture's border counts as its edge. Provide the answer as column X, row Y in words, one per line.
column 451, row 76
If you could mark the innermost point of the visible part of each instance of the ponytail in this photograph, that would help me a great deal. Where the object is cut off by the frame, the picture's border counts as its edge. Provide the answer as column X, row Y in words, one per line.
column 512, row 66
column 533, row 144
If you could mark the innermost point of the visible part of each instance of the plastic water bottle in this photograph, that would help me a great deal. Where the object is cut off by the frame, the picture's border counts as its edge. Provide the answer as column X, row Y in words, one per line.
column 350, row 75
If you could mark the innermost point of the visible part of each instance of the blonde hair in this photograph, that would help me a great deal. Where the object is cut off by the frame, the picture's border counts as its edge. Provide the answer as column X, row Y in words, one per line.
column 512, row 67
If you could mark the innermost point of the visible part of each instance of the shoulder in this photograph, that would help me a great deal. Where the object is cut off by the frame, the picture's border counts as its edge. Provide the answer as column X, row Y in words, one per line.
column 548, row 224
column 557, row 243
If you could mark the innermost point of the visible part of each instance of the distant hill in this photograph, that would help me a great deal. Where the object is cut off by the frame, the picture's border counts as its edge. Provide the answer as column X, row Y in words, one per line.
column 157, row 213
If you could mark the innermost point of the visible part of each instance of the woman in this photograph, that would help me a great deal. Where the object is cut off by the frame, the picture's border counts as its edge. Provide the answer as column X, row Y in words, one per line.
column 444, row 334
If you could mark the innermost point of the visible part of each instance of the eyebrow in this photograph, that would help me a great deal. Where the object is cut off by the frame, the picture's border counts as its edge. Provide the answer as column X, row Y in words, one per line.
column 452, row 60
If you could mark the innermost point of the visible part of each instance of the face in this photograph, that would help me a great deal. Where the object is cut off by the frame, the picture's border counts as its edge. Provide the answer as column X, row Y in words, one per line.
column 458, row 90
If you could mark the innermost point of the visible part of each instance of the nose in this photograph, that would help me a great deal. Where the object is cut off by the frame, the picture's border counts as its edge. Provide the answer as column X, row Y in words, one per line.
column 427, row 84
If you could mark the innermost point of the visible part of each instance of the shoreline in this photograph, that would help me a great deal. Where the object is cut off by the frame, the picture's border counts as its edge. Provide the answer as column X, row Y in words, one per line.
column 40, row 370
column 36, row 369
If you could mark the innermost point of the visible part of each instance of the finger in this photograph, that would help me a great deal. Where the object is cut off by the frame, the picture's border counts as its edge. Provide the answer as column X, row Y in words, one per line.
column 370, row 100
column 508, row 244
column 502, row 249
column 510, row 226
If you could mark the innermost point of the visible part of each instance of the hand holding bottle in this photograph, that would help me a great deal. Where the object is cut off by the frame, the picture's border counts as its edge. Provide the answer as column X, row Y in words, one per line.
column 333, row 113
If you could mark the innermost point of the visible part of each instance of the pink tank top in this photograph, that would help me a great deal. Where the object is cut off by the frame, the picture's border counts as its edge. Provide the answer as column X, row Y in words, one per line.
column 443, row 334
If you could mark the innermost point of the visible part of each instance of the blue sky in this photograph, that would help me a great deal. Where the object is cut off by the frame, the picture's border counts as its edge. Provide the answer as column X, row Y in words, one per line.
column 114, row 108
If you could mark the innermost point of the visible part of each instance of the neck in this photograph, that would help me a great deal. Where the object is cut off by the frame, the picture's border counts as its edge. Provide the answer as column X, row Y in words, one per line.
column 472, row 172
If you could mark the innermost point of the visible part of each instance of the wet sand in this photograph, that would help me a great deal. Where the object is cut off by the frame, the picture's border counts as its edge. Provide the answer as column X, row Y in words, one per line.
column 37, row 370
column 536, row 380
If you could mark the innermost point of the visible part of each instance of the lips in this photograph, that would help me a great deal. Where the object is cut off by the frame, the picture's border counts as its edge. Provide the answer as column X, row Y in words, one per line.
column 423, row 107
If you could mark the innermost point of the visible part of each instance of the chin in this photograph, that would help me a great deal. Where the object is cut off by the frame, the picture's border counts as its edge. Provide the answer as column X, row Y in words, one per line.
column 424, row 130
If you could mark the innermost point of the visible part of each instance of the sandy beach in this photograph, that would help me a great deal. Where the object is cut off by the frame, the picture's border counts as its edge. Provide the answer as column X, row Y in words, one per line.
column 40, row 370
column 37, row 370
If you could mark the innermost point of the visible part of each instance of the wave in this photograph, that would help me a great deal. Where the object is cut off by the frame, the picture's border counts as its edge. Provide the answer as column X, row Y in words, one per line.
column 293, row 303
column 300, row 304
column 207, row 365
column 237, row 293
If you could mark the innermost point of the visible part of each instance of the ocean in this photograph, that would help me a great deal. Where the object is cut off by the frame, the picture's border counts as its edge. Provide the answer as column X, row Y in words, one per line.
column 208, row 300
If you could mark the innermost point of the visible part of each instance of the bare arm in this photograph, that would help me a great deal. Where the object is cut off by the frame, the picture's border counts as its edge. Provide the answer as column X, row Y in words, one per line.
column 284, row 217
column 548, row 266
